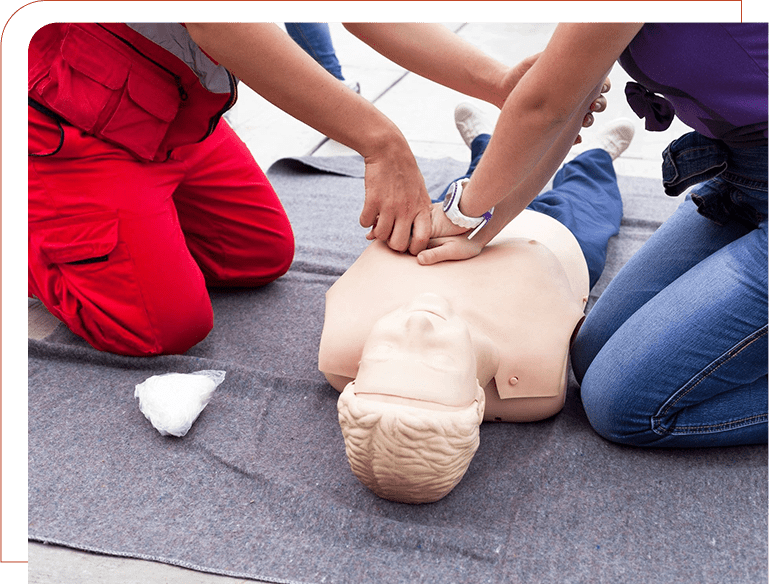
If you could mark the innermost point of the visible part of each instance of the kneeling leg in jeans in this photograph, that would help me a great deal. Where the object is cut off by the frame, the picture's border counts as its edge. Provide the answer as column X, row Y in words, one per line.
column 674, row 353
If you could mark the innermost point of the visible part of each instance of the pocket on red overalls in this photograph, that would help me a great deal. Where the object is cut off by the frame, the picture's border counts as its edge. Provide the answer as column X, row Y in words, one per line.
column 87, row 238
column 130, row 102
column 144, row 113
column 85, row 276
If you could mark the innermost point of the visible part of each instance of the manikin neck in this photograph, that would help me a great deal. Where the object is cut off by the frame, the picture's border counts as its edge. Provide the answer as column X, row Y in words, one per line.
column 486, row 356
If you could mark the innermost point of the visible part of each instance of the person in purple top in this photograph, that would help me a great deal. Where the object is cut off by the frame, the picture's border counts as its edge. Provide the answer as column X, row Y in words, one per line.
column 674, row 353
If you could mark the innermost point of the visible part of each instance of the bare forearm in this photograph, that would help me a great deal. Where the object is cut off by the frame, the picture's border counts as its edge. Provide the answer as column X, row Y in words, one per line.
column 436, row 53
column 263, row 57
column 541, row 118
column 501, row 178
column 446, row 245
column 521, row 195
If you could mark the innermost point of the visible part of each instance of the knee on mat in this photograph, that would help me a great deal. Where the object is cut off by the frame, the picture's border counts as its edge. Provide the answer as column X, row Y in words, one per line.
column 163, row 322
column 172, row 333
column 174, row 339
column 281, row 258
column 610, row 409
column 255, row 265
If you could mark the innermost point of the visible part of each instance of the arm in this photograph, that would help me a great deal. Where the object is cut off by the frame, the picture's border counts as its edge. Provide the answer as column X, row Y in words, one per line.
column 537, row 125
column 450, row 242
column 541, row 108
column 438, row 54
column 269, row 62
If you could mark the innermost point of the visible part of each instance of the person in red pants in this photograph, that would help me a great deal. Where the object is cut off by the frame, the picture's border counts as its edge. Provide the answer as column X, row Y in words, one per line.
column 122, row 251
column 132, row 217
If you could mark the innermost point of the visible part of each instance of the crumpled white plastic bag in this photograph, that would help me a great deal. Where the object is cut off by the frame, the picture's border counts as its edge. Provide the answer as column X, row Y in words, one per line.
column 173, row 401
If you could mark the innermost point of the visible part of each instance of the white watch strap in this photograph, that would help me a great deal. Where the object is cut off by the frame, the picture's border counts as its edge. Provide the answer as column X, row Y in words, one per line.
column 451, row 209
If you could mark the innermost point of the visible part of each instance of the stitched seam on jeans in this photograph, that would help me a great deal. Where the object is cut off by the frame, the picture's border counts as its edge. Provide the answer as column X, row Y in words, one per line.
column 722, row 359
column 714, row 366
column 698, row 177
column 744, row 181
column 750, row 420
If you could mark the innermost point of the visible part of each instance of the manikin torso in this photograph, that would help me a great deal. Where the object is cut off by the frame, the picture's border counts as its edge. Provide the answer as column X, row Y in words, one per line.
column 521, row 299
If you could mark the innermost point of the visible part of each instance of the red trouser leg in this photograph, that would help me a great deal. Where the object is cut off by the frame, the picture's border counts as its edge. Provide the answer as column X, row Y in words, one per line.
column 107, row 251
column 235, row 226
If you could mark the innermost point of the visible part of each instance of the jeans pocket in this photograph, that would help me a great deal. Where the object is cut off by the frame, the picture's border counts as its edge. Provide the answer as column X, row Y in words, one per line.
column 748, row 206
column 691, row 159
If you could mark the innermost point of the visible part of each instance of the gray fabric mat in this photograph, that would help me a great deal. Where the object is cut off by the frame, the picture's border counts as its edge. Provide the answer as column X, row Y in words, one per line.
column 260, row 487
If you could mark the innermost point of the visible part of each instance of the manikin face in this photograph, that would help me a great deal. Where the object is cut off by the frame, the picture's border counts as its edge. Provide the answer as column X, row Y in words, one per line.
column 421, row 351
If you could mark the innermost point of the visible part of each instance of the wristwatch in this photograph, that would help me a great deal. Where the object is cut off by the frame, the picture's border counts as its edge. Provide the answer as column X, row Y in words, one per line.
column 451, row 209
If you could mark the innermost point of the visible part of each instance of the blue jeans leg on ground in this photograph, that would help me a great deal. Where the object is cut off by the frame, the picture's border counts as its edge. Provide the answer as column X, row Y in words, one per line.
column 674, row 353
column 586, row 199
column 315, row 39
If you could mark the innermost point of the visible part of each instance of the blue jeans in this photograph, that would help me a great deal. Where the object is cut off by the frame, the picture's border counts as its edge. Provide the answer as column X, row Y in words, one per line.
column 674, row 353
column 584, row 198
column 315, row 39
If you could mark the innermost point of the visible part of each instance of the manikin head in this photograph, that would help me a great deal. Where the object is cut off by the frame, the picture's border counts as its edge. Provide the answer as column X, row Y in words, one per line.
column 411, row 418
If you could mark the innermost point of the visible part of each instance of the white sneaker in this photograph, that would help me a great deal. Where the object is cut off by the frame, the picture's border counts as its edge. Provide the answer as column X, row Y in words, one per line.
column 614, row 137
column 471, row 122
column 354, row 85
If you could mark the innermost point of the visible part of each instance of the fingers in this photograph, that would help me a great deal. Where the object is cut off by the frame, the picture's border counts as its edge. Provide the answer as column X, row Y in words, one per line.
column 432, row 255
column 368, row 215
column 428, row 257
column 598, row 105
column 400, row 235
column 404, row 236
column 445, row 249
column 420, row 233
column 381, row 226
column 438, row 253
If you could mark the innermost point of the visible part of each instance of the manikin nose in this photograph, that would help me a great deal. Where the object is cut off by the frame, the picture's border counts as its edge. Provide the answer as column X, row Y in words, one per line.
column 419, row 324
column 432, row 302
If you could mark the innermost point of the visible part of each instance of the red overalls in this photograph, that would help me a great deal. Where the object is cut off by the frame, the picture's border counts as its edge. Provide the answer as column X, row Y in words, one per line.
column 138, row 197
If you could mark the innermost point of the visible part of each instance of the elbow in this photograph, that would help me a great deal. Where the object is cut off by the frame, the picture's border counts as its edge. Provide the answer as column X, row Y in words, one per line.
column 542, row 114
column 543, row 100
column 548, row 105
